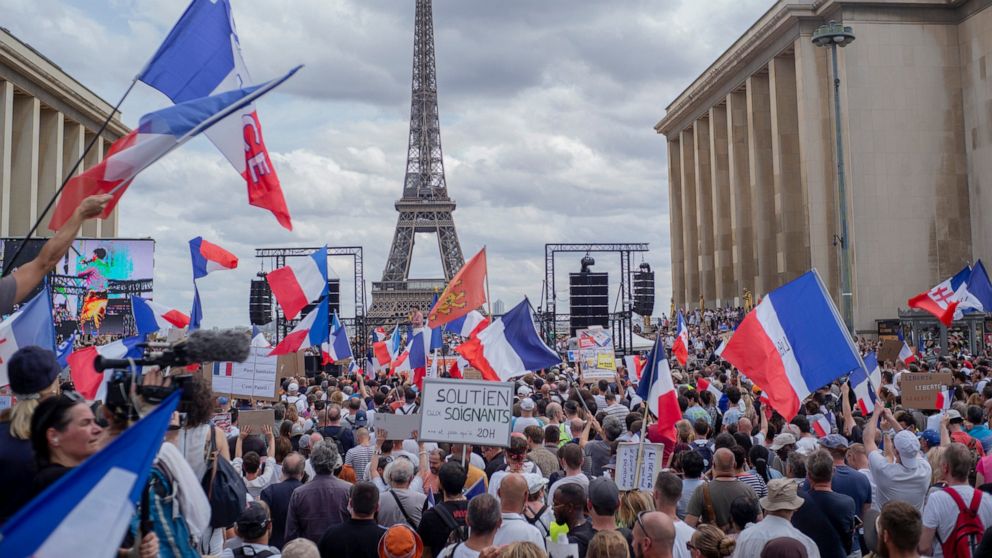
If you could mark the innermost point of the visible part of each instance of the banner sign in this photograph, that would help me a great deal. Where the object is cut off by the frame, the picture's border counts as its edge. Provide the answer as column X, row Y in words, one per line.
column 595, row 354
column 253, row 378
column 920, row 390
column 466, row 412
column 398, row 427
column 626, row 475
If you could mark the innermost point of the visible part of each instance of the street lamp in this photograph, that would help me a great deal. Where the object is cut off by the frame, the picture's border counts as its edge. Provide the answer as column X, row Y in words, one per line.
column 835, row 35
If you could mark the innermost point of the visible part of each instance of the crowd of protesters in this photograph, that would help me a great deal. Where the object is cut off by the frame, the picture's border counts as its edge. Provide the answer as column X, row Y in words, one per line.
column 738, row 479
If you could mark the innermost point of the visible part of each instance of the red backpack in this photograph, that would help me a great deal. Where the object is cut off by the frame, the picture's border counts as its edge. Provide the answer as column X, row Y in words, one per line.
column 968, row 529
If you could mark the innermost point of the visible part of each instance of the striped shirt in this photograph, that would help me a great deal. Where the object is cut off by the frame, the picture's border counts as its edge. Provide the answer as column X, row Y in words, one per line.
column 359, row 458
column 617, row 410
column 755, row 482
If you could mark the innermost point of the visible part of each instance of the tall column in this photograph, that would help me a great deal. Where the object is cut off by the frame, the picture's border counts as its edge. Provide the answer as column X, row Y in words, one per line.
column 704, row 210
column 24, row 164
column 93, row 158
column 6, row 138
column 689, row 226
column 49, row 161
column 742, row 227
column 675, row 224
column 722, row 234
column 73, row 144
column 792, row 236
column 759, row 126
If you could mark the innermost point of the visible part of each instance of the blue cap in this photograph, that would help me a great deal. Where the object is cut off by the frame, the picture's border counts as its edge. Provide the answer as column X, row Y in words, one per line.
column 931, row 437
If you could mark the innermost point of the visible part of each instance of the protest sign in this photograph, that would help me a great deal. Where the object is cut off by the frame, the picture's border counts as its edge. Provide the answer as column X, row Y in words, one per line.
column 466, row 411
column 889, row 351
column 255, row 420
column 920, row 390
column 595, row 354
column 223, row 421
column 398, row 427
column 254, row 378
column 626, row 475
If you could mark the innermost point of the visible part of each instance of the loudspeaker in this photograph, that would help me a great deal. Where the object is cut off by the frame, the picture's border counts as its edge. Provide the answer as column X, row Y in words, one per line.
column 333, row 299
column 260, row 302
column 644, row 290
column 588, row 300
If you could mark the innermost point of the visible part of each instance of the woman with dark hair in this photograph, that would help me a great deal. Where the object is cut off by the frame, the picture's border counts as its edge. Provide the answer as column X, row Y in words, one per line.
column 64, row 433
column 758, row 456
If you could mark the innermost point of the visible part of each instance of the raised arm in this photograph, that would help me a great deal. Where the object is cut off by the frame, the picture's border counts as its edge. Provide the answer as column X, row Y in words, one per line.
column 270, row 440
column 871, row 430
column 845, row 401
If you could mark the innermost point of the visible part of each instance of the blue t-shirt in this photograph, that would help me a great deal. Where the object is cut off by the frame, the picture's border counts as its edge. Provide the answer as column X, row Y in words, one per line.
column 822, row 517
column 849, row 482
column 983, row 435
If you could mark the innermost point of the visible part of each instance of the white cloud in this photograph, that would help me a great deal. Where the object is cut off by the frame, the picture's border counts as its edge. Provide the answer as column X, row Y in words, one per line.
column 547, row 111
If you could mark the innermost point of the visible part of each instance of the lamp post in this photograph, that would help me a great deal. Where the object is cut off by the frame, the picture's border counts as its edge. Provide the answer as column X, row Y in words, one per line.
column 835, row 35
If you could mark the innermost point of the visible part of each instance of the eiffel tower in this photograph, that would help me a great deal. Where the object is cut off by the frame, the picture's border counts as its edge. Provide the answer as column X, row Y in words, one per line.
column 425, row 206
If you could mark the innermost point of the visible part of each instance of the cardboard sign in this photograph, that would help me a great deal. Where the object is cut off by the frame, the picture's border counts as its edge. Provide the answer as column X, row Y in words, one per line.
column 398, row 427
column 920, row 390
column 256, row 420
column 466, row 411
column 626, row 475
column 889, row 351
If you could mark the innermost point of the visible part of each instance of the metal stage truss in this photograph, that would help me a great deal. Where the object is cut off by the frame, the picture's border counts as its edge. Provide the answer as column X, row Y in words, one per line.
column 276, row 257
column 621, row 319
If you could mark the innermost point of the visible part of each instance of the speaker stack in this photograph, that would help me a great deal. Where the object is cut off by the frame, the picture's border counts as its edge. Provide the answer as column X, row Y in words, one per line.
column 333, row 299
column 588, row 300
column 260, row 301
column 644, row 290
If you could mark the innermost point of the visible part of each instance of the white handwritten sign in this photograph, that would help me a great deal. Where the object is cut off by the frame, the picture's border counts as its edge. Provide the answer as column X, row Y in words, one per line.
column 626, row 476
column 466, row 412
column 255, row 377
column 398, row 427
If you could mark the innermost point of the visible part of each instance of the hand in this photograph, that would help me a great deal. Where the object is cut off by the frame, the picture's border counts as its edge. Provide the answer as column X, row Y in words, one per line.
column 381, row 435
column 149, row 546
column 944, row 421
column 245, row 432
column 490, row 552
column 93, row 206
column 267, row 430
column 845, row 388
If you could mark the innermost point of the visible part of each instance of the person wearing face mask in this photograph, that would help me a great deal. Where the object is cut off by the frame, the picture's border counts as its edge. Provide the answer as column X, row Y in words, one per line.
column 64, row 433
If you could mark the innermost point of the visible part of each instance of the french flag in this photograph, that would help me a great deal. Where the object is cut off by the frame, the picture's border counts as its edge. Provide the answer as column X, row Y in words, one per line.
column 201, row 56
column 509, row 347
column 467, row 325
column 380, row 350
column 89, row 382
column 864, row 389
column 379, row 334
column 402, row 363
column 455, row 371
column 656, row 387
column 208, row 257
column 681, row 346
column 821, row 426
column 337, row 347
column 158, row 133
column 31, row 325
column 312, row 331
column 300, row 283
column 99, row 497
column 223, row 369
column 418, row 358
column 905, row 353
column 792, row 343
column 944, row 399
column 150, row 317
column 705, row 385
column 634, row 365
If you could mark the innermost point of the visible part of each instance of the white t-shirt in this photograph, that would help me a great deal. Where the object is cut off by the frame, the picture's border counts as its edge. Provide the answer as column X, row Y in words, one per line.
column 460, row 550
column 521, row 423
column 941, row 513
column 894, row 481
column 515, row 527
column 581, row 479
column 806, row 446
column 683, row 535
column 498, row 476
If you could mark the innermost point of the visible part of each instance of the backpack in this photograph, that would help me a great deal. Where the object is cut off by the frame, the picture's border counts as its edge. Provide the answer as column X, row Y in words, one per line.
column 159, row 507
column 241, row 553
column 335, row 437
column 458, row 532
column 536, row 520
column 973, row 446
column 705, row 452
column 224, row 488
column 968, row 528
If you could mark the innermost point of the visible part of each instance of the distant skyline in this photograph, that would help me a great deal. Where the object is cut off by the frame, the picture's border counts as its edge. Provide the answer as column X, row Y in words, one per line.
column 546, row 110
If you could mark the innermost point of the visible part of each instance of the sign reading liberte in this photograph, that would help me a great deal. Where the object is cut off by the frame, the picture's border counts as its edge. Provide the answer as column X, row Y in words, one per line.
column 466, row 412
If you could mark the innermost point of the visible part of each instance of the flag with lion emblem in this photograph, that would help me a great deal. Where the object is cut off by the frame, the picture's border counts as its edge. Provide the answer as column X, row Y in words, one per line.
column 465, row 292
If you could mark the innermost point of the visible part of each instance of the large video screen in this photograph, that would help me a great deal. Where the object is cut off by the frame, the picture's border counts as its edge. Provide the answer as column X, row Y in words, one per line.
column 91, row 285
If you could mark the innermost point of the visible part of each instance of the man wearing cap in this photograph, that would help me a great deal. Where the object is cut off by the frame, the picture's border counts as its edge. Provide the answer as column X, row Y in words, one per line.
column 602, row 505
column 908, row 477
column 515, row 527
column 253, row 528
column 526, row 418
column 955, row 426
column 847, row 481
column 321, row 503
column 34, row 376
column 783, row 444
column 780, row 504
column 359, row 535
column 293, row 397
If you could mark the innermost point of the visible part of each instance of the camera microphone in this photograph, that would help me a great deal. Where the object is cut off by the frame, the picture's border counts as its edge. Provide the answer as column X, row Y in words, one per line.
column 201, row 346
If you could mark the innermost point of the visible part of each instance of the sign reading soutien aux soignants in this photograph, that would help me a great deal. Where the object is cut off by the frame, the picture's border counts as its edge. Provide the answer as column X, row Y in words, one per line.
column 466, row 412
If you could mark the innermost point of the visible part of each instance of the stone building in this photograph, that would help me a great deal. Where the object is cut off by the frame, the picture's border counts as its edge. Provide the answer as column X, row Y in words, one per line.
column 752, row 172
column 46, row 120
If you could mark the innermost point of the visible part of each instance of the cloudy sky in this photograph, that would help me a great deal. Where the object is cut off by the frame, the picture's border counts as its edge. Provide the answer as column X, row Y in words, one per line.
column 547, row 113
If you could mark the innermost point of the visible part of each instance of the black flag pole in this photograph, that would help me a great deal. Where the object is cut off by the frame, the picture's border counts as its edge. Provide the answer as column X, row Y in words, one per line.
column 9, row 265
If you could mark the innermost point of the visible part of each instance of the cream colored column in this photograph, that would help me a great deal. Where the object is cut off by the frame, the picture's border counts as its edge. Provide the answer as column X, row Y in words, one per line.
column 723, row 262
column 92, row 159
column 759, row 126
column 704, row 210
column 73, row 144
column 24, row 164
column 675, row 224
column 49, row 162
column 816, row 153
column 792, row 236
column 690, row 229
column 6, row 138
column 742, row 227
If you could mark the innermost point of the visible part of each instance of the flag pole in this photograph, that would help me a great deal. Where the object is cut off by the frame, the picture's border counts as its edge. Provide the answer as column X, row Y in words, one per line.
column 489, row 307
column 8, row 266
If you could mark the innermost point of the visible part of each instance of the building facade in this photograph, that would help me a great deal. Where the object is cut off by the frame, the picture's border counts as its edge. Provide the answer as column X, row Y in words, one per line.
column 46, row 121
column 752, row 174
